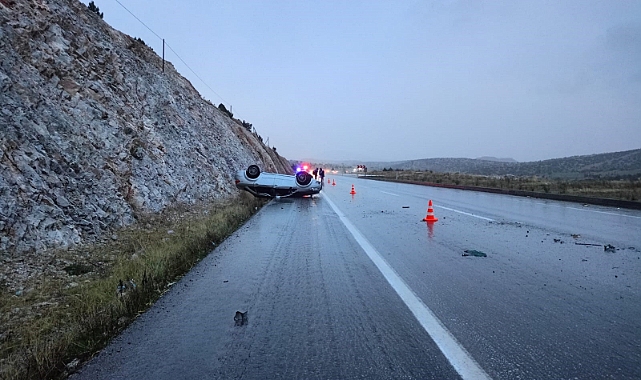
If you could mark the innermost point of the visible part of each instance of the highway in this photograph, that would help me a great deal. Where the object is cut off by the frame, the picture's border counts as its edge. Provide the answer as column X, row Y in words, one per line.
column 345, row 286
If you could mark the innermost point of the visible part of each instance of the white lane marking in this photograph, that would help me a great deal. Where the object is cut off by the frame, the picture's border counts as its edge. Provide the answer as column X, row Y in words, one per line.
column 455, row 353
column 604, row 212
column 385, row 192
column 466, row 213
column 588, row 210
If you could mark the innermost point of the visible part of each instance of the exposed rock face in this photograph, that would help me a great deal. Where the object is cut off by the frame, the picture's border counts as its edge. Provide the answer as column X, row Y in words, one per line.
column 93, row 132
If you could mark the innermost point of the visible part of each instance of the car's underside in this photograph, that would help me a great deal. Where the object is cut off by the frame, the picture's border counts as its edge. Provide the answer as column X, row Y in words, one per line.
column 271, row 185
column 270, row 192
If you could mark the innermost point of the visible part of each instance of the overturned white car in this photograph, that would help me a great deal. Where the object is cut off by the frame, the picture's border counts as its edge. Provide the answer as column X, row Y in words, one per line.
column 269, row 185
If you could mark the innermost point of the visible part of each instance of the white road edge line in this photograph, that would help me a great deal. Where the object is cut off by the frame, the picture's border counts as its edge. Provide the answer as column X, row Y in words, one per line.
column 455, row 353
column 465, row 213
column 385, row 192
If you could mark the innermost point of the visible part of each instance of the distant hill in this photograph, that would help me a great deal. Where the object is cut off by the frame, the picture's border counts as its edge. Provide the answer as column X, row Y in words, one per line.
column 625, row 164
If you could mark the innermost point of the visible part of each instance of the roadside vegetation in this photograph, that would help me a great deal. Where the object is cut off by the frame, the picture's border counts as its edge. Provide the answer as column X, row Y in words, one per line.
column 61, row 321
column 620, row 189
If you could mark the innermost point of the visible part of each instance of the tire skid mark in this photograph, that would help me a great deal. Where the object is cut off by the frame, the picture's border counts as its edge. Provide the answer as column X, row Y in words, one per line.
column 291, row 267
column 237, row 352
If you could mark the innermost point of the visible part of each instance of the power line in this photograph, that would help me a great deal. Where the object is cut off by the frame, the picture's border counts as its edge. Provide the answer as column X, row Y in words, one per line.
column 170, row 48
column 197, row 76
column 139, row 20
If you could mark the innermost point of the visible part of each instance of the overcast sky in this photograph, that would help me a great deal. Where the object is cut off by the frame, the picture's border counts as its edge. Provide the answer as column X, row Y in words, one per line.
column 400, row 80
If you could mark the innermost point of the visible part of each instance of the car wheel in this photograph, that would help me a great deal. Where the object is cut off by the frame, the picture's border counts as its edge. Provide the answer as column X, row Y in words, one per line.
column 252, row 172
column 303, row 178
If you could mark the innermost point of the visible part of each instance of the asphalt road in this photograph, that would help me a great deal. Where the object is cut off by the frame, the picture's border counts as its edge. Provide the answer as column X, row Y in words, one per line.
column 344, row 287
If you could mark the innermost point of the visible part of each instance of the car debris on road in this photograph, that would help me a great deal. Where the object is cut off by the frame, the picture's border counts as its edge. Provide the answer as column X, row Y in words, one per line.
column 475, row 253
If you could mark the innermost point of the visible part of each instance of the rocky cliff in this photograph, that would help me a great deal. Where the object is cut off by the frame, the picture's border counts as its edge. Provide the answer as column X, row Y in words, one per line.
column 93, row 132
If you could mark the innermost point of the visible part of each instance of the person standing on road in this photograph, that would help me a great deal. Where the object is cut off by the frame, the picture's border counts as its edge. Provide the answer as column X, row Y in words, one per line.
column 315, row 172
column 321, row 172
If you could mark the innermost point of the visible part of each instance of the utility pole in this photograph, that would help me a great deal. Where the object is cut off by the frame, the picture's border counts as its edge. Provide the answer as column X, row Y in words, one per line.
column 163, row 55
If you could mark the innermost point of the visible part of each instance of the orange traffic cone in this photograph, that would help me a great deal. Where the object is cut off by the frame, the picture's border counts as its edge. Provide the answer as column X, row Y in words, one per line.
column 353, row 191
column 333, row 183
column 430, row 213
column 328, row 181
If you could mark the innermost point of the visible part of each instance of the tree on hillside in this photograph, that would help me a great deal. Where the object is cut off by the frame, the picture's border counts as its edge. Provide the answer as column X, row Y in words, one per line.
column 92, row 7
column 224, row 110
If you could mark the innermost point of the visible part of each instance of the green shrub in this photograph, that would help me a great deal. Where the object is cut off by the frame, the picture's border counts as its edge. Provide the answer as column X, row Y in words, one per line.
column 92, row 7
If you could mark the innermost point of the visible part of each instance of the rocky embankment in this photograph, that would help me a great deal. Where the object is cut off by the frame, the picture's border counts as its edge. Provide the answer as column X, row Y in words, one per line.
column 93, row 133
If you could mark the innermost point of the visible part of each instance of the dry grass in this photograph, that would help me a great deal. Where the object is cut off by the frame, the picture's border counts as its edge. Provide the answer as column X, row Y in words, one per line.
column 61, row 322
column 629, row 190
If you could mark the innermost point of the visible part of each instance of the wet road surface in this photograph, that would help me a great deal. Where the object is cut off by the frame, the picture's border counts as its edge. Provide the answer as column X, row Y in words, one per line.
column 539, row 306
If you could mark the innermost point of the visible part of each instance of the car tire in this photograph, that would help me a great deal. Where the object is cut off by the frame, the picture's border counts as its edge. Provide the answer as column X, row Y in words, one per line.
column 303, row 178
column 252, row 172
